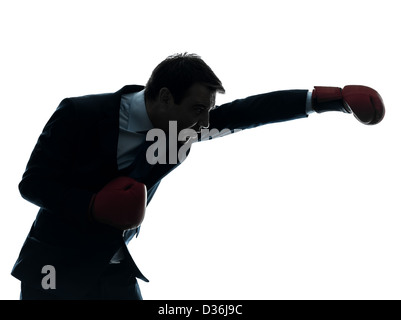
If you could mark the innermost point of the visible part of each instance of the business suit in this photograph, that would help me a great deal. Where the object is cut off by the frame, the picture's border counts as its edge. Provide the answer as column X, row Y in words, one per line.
column 75, row 157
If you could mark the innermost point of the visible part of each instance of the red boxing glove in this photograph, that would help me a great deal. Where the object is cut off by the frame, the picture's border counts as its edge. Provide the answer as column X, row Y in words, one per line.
column 120, row 204
column 365, row 103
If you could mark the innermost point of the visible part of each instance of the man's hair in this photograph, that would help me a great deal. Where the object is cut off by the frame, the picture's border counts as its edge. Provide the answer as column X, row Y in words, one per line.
column 178, row 73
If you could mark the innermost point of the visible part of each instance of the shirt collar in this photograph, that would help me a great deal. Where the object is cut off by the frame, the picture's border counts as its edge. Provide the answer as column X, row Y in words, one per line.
column 138, row 119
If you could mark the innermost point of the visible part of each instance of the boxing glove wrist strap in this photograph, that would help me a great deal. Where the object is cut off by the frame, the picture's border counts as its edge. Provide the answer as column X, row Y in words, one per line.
column 328, row 99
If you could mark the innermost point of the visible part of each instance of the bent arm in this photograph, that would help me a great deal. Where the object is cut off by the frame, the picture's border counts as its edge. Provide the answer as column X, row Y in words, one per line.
column 45, row 181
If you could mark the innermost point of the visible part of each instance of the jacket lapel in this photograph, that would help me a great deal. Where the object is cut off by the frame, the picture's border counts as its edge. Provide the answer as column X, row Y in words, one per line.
column 109, row 131
column 108, row 125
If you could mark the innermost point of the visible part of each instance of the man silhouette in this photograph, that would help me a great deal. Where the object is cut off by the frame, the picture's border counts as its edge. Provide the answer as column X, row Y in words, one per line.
column 91, row 175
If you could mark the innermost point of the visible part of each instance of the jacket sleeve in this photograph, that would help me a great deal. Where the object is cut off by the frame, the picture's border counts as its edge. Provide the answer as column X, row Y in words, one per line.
column 257, row 110
column 45, row 181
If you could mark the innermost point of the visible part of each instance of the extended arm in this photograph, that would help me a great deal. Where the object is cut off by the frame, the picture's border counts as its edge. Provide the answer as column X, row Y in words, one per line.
column 363, row 102
column 255, row 111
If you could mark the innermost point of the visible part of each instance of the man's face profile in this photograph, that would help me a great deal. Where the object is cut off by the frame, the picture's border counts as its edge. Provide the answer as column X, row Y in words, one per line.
column 192, row 112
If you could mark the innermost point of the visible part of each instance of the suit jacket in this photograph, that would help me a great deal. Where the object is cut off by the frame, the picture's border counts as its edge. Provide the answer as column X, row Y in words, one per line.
column 75, row 156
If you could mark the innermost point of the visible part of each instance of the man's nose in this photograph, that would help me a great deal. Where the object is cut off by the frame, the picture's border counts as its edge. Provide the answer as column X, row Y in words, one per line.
column 204, row 121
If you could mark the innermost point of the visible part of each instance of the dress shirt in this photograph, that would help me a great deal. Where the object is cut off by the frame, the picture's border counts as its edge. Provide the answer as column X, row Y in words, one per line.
column 308, row 106
column 134, row 122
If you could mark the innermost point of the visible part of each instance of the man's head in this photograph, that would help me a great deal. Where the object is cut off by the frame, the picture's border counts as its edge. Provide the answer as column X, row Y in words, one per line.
column 182, row 88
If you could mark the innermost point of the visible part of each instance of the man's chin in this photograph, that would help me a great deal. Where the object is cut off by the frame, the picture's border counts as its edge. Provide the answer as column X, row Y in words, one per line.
column 191, row 130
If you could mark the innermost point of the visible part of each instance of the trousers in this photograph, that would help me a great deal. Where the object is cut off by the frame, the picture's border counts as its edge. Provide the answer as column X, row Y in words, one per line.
column 114, row 284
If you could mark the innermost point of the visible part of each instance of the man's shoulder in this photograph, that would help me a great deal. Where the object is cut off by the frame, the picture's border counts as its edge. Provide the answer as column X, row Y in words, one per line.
column 99, row 103
column 130, row 89
column 99, row 97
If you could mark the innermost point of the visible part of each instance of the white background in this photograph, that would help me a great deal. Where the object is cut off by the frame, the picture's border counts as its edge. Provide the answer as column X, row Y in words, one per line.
column 307, row 209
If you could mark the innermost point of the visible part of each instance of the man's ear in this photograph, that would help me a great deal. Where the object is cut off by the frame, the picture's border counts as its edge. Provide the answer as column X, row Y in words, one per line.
column 165, row 96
